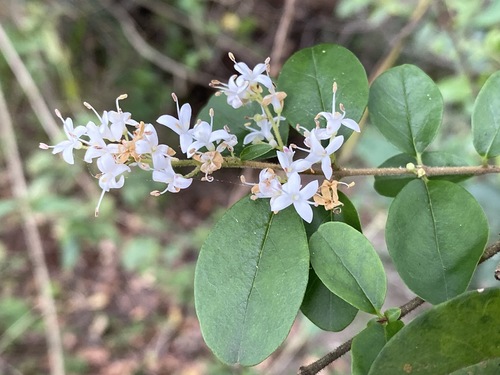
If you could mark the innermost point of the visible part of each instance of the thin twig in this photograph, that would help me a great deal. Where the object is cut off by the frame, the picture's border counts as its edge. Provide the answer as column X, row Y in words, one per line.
column 385, row 63
column 408, row 307
column 36, row 100
column 221, row 40
column 150, row 53
column 33, row 239
column 278, row 50
column 29, row 87
column 352, row 172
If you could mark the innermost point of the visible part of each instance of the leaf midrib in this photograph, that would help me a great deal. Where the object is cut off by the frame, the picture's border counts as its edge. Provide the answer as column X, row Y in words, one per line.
column 434, row 226
column 243, row 325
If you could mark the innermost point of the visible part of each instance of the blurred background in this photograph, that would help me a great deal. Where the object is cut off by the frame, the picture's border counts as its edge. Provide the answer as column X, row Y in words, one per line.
column 123, row 283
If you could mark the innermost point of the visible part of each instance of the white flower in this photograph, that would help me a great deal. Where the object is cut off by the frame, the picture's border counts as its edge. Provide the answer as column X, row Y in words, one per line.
column 292, row 194
column 265, row 131
column 96, row 145
column 318, row 153
column 111, row 170
column 290, row 166
column 253, row 75
column 204, row 136
column 275, row 99
column 108, row 178
column 119, row 121
column 73, row 142
column 149, row 145
column 179, row 125
column 335, row 119
column 166, row 174
column 269, row 185
column 236, row 90
column 227, row 141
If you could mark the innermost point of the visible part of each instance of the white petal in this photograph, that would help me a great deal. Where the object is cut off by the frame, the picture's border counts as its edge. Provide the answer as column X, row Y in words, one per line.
column 304, row 210
column 68, row 155
column 280, row 202
column 170, row 122
column 142, row 147
column 351, row 124
column 309, row 190
column 335, row 144
column 185, row 117
column 326, row 167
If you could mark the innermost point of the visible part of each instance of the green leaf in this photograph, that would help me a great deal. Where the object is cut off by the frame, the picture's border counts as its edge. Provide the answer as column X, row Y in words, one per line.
column 347, row 214
column 325, row 309
column 347, row 264
column 250, row 280
column 490, row 367
column 256, row 151
column 307, row 77
column 235, row 119
column 390, row 186
column 453, row 335
column 486, row 119
column 436, row 233
column 392, row 314
column 322, row 307
column 367, row 344
column 407, row 107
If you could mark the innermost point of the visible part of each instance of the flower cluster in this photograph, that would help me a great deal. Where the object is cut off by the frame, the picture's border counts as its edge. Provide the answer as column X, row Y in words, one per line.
column 117, row 142
column 117, row 148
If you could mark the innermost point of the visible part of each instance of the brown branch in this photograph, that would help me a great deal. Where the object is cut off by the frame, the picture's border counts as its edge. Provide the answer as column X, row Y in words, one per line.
column 29, row 86
column 385, row 63
column 408, row 307
column 281, row 36
column 33, row 240
column 230, row 162
column 150, row 53
column 36, row 100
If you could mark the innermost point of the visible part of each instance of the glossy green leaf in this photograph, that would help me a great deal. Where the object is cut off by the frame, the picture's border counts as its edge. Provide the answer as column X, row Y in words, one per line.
column 456, row 334
column 235, row 119
column 435, row 234
column 407, row 107
column 250, row 280
column 490, row 367
column 348, row 265
column 366, row 346
column 486, row 119
column 347, row 214
column 390, row 186
column 256, row 151
column 307, row 77
column 369, row 342
column 322, row 307
column 325, row 309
